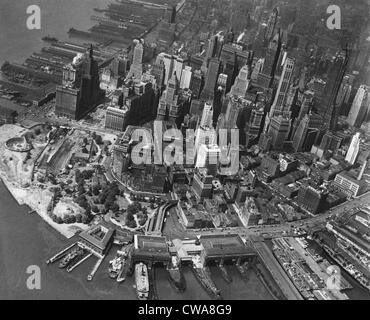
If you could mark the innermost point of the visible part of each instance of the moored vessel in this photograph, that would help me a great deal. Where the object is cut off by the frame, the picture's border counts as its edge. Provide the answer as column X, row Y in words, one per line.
column 142, row 281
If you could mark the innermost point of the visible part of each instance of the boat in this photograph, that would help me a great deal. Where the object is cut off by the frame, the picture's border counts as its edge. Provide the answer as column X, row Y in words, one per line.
column 175, row 275
column 142, row 281
column 70, row 257
column 126, row 265
column 49, row 39
column 243, row 270
column 116, row 265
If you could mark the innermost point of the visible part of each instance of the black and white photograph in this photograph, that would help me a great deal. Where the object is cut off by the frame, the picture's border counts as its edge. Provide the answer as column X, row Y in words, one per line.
column 184, row 154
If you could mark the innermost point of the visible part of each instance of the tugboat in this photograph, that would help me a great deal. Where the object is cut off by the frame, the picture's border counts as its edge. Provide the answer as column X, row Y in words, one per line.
column 70, row 257
column 175, row 275
column 142, row 281
column 117, row 264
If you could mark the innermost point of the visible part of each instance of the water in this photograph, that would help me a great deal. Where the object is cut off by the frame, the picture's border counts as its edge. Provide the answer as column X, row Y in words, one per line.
column 57, row 17
column 27, row 240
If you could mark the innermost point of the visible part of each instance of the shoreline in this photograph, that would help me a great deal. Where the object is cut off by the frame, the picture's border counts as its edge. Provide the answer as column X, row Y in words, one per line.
column 68, row 231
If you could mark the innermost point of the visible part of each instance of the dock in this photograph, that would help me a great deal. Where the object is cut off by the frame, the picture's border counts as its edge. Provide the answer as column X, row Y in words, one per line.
column 95, row 269
column 75, row 265
column 224, row 273
column 60, row 254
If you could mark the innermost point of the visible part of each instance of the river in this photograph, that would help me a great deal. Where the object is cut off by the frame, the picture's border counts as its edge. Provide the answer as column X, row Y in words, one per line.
column 57, row 17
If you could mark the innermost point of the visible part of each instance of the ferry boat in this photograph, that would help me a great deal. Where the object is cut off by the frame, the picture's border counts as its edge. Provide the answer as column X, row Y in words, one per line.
column 175, row 275
column 142, row 281
column 70, row 257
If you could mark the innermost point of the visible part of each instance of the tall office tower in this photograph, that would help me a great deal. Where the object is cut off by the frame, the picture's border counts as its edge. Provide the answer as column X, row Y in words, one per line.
column 80, row 92
column 253, row 127
column 279, row 131
column 168, row 64
column 265, row 78
column 212, row 49
column 178, row 66
column 336, row 74
column 271, row 24
column 222, row 82
column 136, row 70
column 207, row 116
column 196, row 84
column 354, row 149
column 159, row 72
column 344, row 94
column 232, row 112
column 230, row 36
column 257, row 69
column 229, row 68
column 202, row 184
column 360, row 110
column 168, row 103
column 306, row 105
column 279, row 104
column 208, row 157
column 306, row 132
column 331, row 142
column 211, row 79
column 186, row 77
column 241, row 83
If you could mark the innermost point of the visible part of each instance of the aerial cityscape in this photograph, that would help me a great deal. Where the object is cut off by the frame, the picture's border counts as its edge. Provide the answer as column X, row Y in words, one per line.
column 185, row 150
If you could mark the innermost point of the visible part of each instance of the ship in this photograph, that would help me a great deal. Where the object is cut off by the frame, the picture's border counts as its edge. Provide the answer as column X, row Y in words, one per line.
column 203, row 275
column 49, row 39
column 116, row 265
column 126, row 264
column 175, row 275
column 243, row 270
column 142, row 281
column 70, row 257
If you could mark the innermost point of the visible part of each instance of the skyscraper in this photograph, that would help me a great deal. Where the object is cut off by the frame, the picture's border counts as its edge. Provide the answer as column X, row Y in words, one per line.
column 279, row 104
column 211, row 79
column 207, row 116
column 80, row 91
column 271, row 24
column 136, row 70
column 360, row 110
column 267, row 74
column 354, row 149
column 241, row 83
column 279, row 131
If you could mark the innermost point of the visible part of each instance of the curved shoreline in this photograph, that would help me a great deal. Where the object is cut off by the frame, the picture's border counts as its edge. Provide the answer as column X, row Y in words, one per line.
column 14, row 191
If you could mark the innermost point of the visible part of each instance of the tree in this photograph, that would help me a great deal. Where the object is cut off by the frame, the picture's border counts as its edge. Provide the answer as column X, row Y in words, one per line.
column 115, row 207
column 79, row 218
column 99, row 140
column 96, row 190
column 95, row 209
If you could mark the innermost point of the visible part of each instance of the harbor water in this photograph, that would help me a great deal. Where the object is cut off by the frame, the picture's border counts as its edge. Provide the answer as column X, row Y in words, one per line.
column 57, row 17
column 26, row 240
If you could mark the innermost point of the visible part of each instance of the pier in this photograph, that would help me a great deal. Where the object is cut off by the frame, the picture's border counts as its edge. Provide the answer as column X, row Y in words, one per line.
column 224, row 273
column 60, row 254
column 95, row 269
column 75, row 265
